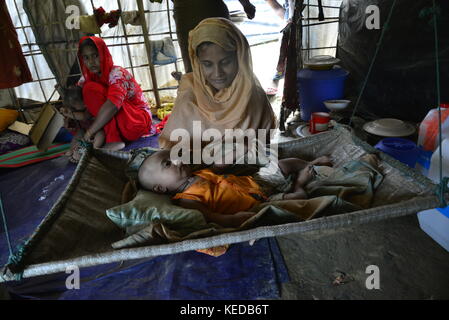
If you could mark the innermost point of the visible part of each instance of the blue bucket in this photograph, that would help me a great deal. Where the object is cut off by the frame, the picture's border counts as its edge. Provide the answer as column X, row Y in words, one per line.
column 316, row 86
column 401, row 149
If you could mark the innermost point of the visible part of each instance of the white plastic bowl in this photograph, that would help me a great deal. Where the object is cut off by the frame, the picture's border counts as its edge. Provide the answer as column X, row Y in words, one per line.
column 335, row 105
column 388, row 127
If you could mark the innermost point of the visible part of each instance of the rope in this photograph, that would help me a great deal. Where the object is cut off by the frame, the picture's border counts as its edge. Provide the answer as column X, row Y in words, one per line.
column 5, row 226
column 378, row 45
column 443, row 181
column 13, row 258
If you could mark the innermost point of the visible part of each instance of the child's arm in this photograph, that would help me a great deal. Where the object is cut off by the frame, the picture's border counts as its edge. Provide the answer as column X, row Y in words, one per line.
column 106, row 113
column 225, row 220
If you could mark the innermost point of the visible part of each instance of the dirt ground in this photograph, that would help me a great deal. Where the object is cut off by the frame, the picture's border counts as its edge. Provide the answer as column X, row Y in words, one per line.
column 411, row 264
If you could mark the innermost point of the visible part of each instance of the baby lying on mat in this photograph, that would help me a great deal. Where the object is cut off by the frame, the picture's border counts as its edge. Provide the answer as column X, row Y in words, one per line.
column 223, row 199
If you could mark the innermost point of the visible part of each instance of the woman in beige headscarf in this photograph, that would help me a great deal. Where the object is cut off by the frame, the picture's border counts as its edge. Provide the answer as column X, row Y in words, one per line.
column 222, row 92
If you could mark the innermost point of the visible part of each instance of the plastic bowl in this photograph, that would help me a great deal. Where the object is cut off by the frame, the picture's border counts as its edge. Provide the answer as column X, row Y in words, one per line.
column 403, row 150
column 335, row 105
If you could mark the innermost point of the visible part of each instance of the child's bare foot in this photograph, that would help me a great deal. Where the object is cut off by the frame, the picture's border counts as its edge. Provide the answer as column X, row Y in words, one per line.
column 76, row 156
column 73, row 146
column 322, row 161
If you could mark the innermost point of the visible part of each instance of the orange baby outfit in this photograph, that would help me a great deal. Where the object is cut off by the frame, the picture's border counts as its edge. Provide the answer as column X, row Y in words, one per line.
column 225, row 194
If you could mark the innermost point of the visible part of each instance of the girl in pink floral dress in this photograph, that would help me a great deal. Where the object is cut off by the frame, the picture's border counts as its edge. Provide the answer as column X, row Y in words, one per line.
column 112, row 96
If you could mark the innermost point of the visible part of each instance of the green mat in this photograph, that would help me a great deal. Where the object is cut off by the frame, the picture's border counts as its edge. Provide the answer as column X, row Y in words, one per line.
column 29, row 155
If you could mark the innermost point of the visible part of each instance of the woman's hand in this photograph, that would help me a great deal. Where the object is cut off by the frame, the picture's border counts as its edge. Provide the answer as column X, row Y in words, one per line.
column 106, row 113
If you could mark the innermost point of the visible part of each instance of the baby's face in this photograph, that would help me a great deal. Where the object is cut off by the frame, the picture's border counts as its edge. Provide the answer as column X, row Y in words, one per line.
column 163, row 174
column 78, row 105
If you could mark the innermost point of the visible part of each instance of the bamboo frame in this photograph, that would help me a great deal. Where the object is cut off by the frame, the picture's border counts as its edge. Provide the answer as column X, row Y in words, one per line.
column 32, row 57
column 126, row 39
column 35, row 52
column 143, row 22
column 128, row 42
column 308, row 49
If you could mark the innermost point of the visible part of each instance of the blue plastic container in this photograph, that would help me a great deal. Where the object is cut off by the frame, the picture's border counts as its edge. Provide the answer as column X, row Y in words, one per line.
column 401, row 149
column 316, row 86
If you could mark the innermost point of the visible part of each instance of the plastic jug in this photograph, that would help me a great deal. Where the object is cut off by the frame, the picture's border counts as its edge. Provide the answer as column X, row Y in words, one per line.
column 434, row 169
column 429, row 127
column 428, row 135
column 435, row 222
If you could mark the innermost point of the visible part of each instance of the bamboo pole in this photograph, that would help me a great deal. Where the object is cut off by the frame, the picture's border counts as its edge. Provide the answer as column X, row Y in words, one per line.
column 146, row 38
column 126, row 39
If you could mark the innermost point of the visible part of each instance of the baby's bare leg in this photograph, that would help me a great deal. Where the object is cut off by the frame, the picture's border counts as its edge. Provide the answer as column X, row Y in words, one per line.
column 322, row 161
column 114, row 146
column 304, row 176
column 295, row 165
column 290, row 166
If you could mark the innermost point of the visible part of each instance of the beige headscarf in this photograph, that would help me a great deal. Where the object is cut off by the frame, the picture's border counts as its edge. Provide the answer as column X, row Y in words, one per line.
column 242, row 105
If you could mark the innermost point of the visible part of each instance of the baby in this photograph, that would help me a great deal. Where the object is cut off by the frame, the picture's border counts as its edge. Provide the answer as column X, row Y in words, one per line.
column 223, row 199
column 77, row 120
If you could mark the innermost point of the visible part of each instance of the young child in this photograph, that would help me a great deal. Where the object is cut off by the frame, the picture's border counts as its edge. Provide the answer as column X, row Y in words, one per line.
column 112, row 96
column 223, row 199
column 77, row 120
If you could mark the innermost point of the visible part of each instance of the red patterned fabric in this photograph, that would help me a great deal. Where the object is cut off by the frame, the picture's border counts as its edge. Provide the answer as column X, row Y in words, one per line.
column 14, row 69
column 110, row 18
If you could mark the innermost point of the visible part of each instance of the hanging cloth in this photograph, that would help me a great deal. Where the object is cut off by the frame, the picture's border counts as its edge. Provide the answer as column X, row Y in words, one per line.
column 12, row 62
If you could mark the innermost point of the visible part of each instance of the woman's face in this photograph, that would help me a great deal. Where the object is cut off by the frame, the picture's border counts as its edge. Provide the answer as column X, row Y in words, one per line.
column 91, row 59
column 219, row 67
